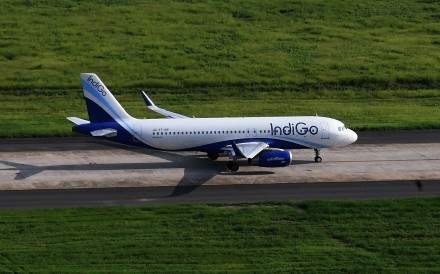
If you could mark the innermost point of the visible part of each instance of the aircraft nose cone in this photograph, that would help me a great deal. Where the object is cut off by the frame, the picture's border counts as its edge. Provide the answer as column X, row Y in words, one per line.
column 353, row 136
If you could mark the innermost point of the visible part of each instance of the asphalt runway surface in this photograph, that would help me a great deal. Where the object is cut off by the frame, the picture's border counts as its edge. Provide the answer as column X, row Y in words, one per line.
column 81, row 172
column 217, row 194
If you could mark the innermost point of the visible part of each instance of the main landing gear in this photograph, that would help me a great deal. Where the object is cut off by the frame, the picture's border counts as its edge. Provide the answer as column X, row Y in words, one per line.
column 232, row 166
column 213, row 155
column 318, row 158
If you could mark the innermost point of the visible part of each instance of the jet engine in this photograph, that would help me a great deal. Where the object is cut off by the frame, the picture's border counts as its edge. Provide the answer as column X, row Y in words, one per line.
column 274, row 158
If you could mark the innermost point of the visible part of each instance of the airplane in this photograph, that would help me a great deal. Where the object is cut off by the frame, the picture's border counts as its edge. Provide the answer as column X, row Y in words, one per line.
column 265, row 140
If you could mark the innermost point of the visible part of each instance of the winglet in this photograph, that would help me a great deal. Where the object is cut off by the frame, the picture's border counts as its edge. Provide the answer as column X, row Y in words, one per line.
column 147, row 99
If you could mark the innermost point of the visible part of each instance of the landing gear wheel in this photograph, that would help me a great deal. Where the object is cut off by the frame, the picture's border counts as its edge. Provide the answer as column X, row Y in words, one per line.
column 318, row 158
column 232, row 166
column 213, row 155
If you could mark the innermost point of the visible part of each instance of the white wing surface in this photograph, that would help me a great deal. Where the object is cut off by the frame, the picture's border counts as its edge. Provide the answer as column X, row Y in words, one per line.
column 248, row 150
column 162, row 111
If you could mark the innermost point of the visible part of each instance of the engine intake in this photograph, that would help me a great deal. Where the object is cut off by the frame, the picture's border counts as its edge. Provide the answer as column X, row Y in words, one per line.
column 275, row 158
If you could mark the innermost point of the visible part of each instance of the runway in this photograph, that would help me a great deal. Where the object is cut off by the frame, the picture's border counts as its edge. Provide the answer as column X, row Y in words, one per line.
column 217, row 194
column 59, row 172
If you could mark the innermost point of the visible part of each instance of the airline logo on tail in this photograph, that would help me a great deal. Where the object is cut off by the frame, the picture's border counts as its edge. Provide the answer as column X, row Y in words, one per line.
column 96, row 84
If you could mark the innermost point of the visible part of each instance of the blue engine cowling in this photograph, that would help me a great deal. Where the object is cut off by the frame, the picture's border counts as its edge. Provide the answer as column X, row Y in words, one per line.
column 275, row 158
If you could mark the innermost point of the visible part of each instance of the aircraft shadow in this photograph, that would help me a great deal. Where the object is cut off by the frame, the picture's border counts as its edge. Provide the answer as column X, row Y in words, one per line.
column 198, row 169
column 192, row 178
column 248, row 173
column 301, row 162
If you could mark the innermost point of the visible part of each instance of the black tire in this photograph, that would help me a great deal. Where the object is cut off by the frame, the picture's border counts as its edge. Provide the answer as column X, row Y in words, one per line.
column 318, row 159
column 213, row 155
column 232, row 166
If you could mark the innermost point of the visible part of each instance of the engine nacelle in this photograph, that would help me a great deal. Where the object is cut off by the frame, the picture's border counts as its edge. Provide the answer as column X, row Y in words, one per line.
column 274, row 158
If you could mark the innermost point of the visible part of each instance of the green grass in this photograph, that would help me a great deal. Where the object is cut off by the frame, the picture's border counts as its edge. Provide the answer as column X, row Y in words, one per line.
column 44, row 115
column 373, row 64
column 252, row 44
column 393, row 236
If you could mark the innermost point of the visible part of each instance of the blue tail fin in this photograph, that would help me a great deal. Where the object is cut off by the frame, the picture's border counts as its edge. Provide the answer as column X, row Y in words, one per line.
column 102, row 106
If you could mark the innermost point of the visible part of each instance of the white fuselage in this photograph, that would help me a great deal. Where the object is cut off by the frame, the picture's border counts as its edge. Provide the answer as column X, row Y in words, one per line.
column 182, row 134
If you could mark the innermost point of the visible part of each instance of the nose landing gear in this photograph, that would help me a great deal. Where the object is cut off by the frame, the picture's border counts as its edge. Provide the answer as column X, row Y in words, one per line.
column 318, row 158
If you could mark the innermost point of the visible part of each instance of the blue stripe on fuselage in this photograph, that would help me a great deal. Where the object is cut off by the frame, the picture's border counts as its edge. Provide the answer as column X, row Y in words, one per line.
column 122, row 137
column 217, row 147
column 298, row 141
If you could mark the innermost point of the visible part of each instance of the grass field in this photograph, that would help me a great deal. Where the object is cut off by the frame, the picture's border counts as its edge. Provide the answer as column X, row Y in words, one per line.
column 44, row 115
column 252, row 44
column 394, row 236
column 373, row 64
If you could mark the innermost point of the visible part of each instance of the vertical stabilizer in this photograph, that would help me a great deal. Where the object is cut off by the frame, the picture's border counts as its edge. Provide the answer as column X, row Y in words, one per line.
column 102, row 106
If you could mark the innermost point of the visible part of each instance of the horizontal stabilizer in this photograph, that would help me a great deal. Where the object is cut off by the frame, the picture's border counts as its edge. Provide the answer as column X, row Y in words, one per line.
column 161, row 111
column 107, row 132
column 77, row 121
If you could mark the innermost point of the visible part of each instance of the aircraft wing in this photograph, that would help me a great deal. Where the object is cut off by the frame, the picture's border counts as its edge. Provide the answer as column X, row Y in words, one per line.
column 248, row 150
column 164, row 112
